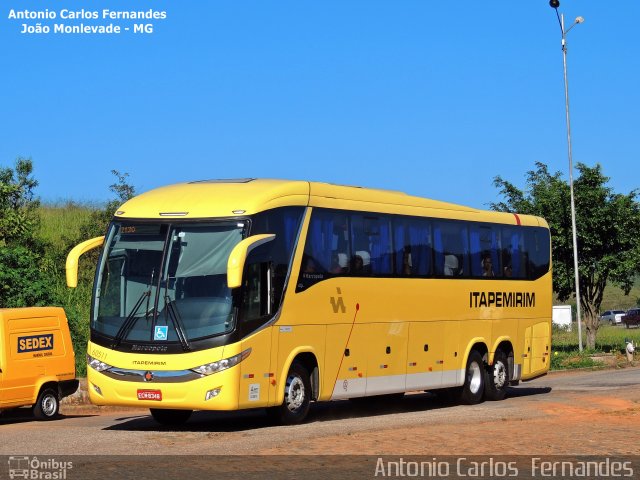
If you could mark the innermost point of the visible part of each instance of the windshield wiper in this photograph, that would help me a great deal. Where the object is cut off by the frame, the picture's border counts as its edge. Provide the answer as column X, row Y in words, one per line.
column 131, row 319
column 169, row 306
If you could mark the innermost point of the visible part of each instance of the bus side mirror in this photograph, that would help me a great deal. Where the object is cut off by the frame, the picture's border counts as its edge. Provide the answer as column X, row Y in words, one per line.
column 74, row 255
column 238, row 257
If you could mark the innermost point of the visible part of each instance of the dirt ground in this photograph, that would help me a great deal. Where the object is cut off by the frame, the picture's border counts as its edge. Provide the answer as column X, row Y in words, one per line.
column 595, row 426
column 576, row 413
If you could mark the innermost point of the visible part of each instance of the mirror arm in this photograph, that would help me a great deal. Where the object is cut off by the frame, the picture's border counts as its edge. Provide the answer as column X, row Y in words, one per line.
column 238, row 257
column 71, row 266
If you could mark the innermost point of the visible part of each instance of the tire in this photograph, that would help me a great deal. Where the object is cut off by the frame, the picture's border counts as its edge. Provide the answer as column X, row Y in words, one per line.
column 170, row 417
column 47, row 405
column 472, row 391
column 497, row 379
column 297, row 397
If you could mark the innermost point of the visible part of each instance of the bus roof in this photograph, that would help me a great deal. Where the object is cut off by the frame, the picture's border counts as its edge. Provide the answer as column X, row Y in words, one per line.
column 246, row 196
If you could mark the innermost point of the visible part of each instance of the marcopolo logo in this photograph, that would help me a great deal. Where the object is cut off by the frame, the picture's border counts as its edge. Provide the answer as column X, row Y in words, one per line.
column 35, row 343
column 35, row 468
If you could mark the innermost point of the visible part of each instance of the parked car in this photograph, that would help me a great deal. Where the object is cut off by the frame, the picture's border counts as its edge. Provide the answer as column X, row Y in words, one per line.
column 614, row 317
column 632, row 318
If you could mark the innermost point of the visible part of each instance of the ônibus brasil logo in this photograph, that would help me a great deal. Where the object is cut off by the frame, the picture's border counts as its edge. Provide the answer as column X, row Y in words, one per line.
column 35, row 468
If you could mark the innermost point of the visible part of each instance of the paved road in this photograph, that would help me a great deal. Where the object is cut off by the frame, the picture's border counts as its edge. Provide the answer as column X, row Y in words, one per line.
column 578, row 412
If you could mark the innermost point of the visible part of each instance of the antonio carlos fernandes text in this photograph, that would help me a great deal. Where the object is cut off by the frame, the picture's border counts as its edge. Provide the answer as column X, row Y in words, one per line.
column 492, row 468
column 105, row 14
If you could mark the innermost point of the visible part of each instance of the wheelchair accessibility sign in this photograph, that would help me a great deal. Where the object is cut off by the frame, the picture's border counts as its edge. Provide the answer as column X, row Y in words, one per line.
column 161, row 332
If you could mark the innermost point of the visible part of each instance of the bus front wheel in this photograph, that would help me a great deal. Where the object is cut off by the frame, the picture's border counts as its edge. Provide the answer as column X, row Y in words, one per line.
column 473, row 388
column 170, row 417
column 297, row 397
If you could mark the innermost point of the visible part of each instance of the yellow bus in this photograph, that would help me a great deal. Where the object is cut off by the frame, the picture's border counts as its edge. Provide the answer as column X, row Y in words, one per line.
column 246, row 293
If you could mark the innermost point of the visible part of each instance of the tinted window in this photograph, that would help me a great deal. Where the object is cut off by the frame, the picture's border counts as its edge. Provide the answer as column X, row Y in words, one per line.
column 269, row 263
column 369, row 244
column 413, row 246
column 327, row 250
column 451, row 245
column 537, row 246
column 485, row 247
column 371, row 252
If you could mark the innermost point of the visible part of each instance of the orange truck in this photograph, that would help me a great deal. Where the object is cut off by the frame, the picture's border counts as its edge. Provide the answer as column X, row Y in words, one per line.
column 37, row 363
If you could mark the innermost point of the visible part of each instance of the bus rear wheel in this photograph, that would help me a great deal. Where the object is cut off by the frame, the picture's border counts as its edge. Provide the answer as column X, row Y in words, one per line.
column 170, row 417
column 297, row 397
column 497, row 377
column 474, row 380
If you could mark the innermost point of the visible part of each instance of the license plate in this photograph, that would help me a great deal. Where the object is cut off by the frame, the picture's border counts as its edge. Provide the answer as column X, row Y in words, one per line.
column 150, row 395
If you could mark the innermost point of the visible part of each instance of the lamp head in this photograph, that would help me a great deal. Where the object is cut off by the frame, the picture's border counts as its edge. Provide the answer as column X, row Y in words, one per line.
column 554, row 3
column 579, row 19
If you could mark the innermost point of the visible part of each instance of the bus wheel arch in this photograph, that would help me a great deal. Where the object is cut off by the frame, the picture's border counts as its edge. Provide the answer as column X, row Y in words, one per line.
column 297, row 394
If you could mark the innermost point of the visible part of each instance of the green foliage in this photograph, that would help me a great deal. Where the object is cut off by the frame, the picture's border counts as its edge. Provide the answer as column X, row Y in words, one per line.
column 60, row 223
column 100, row 219
column 608, row 226
column 570, row 360
column 18, row 207
column 611, row 339
column 77, row 302
column 34, row 242
column 25, row 279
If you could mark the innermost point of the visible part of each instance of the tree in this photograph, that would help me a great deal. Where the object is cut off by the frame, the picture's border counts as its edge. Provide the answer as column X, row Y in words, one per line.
column 18, row 208
column 25, row 278
column 608, row 228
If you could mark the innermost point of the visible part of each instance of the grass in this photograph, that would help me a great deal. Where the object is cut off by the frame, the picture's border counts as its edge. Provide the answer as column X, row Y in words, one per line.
column 614, row 298
column 610, row 340
column 60, row 225
column 61, row 221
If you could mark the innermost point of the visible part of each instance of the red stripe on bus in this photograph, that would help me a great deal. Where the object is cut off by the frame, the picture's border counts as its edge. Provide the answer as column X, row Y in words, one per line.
column 517, row 219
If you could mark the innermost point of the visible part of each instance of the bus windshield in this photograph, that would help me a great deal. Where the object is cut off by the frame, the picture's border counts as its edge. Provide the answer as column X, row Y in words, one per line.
column 165, row 283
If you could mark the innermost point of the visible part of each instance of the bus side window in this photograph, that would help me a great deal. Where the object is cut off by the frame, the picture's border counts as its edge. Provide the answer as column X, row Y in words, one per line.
column 537, row 247
column 513, row 264
column 484, row 251
column 413, row 246
column 451, row 239
column 326, row 251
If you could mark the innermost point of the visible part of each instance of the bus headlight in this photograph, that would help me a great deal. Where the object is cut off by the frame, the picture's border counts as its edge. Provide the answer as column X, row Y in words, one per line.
column 96, row 364
column 220, row 365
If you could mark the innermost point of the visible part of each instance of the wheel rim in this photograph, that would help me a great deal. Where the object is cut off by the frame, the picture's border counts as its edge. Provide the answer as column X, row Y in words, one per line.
column 499, row 374
column 294, row 393
column 49, row 405
column 475, row 377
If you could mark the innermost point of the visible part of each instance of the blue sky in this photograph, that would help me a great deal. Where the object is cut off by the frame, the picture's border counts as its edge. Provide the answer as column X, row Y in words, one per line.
column 428, row 97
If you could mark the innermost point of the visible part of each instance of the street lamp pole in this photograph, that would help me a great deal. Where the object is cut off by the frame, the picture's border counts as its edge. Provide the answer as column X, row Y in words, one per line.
column 555, row 4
